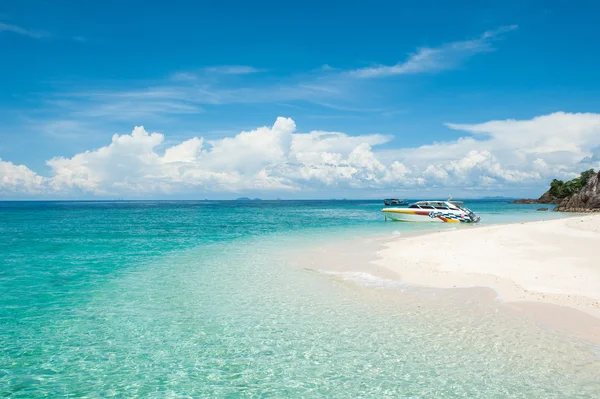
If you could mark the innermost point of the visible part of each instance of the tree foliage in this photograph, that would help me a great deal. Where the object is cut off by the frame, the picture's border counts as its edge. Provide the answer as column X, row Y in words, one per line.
column 561, row 189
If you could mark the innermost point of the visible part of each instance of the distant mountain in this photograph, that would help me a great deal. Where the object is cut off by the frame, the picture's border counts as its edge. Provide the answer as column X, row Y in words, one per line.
column 248, row 199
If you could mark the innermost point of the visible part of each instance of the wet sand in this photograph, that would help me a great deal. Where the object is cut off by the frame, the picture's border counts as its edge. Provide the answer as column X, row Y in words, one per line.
column 548, row 271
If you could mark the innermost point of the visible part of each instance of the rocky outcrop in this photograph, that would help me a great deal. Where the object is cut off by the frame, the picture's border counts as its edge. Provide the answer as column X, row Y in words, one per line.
column 546, row 198
column 525, row 201
column 586, row 200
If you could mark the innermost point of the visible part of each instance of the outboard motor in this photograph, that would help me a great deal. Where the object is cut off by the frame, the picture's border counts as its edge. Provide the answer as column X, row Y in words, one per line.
column 474, row 218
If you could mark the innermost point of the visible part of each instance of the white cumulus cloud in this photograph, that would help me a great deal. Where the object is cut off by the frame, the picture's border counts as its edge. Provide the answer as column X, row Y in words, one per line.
column 19, row 179
column 496, row 154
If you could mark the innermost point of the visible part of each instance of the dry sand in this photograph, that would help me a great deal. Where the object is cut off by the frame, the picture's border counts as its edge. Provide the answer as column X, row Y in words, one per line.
column 555, row 261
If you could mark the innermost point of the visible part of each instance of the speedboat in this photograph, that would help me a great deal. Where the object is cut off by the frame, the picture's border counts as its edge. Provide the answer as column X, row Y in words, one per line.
column 394, row 201
column 432, row 211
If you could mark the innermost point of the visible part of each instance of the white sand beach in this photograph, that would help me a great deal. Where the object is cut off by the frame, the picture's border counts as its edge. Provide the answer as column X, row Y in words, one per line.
column 555, row 261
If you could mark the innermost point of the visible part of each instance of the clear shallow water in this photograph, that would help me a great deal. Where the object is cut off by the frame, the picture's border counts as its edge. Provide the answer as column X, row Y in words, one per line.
column 172, row 299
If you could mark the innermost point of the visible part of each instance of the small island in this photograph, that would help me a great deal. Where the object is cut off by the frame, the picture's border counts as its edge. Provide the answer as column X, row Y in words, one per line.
column 581, row 194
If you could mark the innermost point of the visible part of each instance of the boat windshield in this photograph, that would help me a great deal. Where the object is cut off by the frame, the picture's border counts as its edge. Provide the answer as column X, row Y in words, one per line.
column 464, row 209
column 432, row 205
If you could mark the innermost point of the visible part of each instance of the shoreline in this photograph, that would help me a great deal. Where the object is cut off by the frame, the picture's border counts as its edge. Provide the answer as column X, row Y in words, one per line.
column 544, row 269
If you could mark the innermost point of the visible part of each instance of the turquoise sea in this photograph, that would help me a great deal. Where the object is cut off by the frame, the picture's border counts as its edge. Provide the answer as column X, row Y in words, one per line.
column 159, row 299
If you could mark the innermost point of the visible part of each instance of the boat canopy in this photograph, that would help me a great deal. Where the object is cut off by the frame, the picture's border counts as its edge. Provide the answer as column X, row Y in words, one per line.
column 434, row 205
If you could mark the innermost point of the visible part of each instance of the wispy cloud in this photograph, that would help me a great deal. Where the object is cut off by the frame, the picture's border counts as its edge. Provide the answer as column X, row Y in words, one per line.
column 428, row 59
column 327, row 68
column 233, row 69
column 122, row 106
column 186, row 93
column 189, row 76
column 346, row 108
column 183, row 76
column 22, row 31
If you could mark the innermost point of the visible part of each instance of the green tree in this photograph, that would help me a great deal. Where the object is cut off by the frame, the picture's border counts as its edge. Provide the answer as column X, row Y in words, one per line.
column 585, row 176
column 561, row 189
column 556, row 188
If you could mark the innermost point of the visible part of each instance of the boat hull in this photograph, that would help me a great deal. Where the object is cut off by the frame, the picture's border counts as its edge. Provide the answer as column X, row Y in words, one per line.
column 418, row 216
column 427, row 216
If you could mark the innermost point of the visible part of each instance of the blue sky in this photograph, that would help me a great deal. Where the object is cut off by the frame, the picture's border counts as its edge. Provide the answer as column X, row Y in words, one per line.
column 75, row 73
